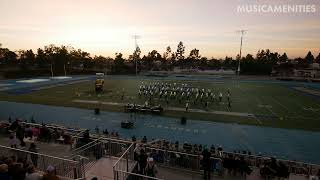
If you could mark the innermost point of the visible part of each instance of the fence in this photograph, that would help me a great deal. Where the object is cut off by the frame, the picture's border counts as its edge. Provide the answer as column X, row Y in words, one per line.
column 180, row 160
column 294, row 167
column 126, row 164
column 123, row 175
column 64, row 167
column 74, row 133
column 108, row 146
column 116, row 147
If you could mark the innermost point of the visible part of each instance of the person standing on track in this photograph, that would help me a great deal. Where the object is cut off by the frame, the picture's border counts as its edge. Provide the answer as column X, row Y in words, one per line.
column 187, row 106
column 220, row 97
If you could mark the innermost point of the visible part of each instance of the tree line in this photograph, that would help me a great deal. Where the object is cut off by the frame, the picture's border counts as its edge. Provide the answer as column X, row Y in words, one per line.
column 58, row 60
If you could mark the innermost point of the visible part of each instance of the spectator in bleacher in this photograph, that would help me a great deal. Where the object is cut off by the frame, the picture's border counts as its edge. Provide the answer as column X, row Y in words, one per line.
column 14, row 125
column 97, row 130
column 144, row 139
column 105, row 132
column 206, row 162
column 151, row 168
column 142, row 161
column 32, row 174
column 244, row 168
column 212, row 149
column 51, row 174
column 34, row 157
column 17, row 170
column 35, row 131
column 56, row 134
column 4, row 175
column 134, row 139
column 136, row 153
column 28, row 131
column 176, row 145
column 86, row 136
column 12, row 141
column 316, row 177
column 228, row 163
column 20, row 132
column 44, row 133
column 269, row 169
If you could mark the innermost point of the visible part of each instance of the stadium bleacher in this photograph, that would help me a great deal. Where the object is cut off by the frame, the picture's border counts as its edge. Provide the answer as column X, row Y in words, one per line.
column 105, row 157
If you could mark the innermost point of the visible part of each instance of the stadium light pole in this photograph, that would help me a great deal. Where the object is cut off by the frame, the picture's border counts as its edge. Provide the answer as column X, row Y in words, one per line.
column 51, row 69
column 135, row 37
column 242, row 33
column 65, row 71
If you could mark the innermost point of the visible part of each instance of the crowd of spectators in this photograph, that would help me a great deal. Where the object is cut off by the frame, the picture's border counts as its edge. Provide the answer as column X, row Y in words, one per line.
column 17, row 166
column 13, row 168
column 19, row 131
column 186, row 147
column 212, row 159
column 146, row 163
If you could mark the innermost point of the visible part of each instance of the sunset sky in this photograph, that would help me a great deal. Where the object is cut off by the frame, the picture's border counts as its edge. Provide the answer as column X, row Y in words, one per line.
column 103, row 27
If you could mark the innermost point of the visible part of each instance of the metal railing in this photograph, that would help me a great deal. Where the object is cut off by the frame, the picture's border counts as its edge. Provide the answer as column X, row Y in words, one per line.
column 85, row 146
column 76, row 139
column 54, row 127
column 74, row 133
column 172, row 158
column 123, row 163
column 64, row 167
column 126, row 164
column 294, row 167
column 123, row 175
column 115, row 147
column 181, row 160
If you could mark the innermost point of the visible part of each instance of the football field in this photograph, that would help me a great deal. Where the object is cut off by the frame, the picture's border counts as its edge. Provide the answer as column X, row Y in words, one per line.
column 258, row 102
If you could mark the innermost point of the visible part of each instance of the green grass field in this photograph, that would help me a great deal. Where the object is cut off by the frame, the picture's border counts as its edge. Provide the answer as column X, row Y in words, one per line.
column 273, row 105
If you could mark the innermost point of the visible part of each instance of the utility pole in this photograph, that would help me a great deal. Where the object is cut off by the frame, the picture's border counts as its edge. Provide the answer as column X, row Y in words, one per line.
column 64, row 68
column 242, row 33
column 135, row 37
column 51, row 69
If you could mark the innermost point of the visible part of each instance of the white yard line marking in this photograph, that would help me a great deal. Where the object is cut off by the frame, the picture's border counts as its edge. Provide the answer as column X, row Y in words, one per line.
column 244, row 92
column 33, row 80
column 279, row 103
column 4, row 85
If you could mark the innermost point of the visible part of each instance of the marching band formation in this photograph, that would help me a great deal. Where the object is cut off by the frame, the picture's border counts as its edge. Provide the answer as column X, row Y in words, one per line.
column 183, row 93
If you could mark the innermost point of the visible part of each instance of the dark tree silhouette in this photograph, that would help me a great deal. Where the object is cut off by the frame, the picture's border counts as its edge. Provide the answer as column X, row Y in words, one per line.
column 309, row 58
column 318, row 58
column 167, row 54
column 61, row 59
column 179, row 54
column 119, row 65
column 194, row 54
column 8, row 57
column 283, row 58
column 41, row 58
